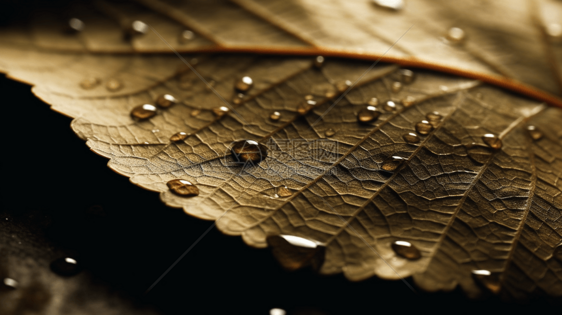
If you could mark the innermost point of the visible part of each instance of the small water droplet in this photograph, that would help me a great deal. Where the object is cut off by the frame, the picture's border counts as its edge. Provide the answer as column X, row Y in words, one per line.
column 342, row 86
column 277, row 311
column 330, row 94
column 411, row 137
column 136, row 28
column 390, row 106
column 10, row 283
column 373, row 101
column 433, row 116
column 113, row 85
column 424, row 127
column 390, row 4
column 283, row 192
column 456, row 35
column 220, row 111
column 534, row 132
column 89, row 83
column 396, row 87
column 182, row 187
column 244, row 84
column 186, row 36
column 76, row 25
column 195, row 112
column 275, row 116
column 492, row 140
column 249, row 151
column 309, row 97
column 406, row 250
column 178, row 136
column 407, row 76
column 330, row 132
column 155, row 130
column 554, row 30
column 319, row 61
column 304, row 107
column 409, row 101
column 368, row 115
column 294, row 252
column 66, row 266
column 144, row 111
column 487, row 279
column 166, row 100
column 392, row 163
column 238, row 99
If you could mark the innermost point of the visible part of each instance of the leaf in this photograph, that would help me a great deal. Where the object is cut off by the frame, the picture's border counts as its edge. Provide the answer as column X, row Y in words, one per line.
column 464, row 205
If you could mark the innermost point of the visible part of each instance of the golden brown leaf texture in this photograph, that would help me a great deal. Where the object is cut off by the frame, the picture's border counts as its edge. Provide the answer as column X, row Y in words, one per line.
column 386, row 172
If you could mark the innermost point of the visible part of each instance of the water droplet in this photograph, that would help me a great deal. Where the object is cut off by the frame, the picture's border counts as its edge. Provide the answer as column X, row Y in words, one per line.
column 244, row 84
column 144, row 111
column 309, row 97
column 368, row 115
column 330, row 132
column 89, row 83
column 249, row 151
column 492, row 140
column 330, row 94
column 406, row 250
column 277, row 311
column 319, row 61
column 10, row 283
column 390, row 106
column 554, row 30
column 396, row 87
column 534, row 132
column 238, row 99
column 275, row 116
column 294, row 252
column 409, row 101
column 424, row 127
column 186, row 36
column 155, row 130
column 113, row 85
column 76, row 25
column 390, row 4
column 444, row 88
column 283, row 192
column 433, row 117
column 392, row 163
column 195, row 112
column 487, row 279
column 411, row 137
column 304, row 107
column 136, row 28
column 407, row 76
column 66, row 266
column 182, row 187
column 342, row 86
column 220, row 111
column 455, row 35
column 373, row 101
column 166, row 100
column 178, row 136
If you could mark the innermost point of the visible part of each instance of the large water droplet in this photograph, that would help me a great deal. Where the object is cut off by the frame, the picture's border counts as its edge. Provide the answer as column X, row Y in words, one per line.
column 534, row 132
column 411, row 137
column 492, row 140
column 76, row 25
column 368, row 115
column 182, row 187
column 66, row 266
column 179, row 136
column 220, row 111
column 283, row 192
column 373, row 101
column 456, row 35
column 319, row 61
column 406, row 250
column 392, row 163
column 407, row 76
column 424, row 127
column 294, row 252
column 113, row 85
column 89, row 83
column 488, row 280
column 433, row 117
column 249, row 151
column 244, row 84
column 136, row 28
column 186, row 36
column 396, row 87
column 390, row 106
column 342, row 86
column 144, row 111
column 10, row 283
column 275, row 116
column 166, row 100
column 390, row 4
column 330, row 132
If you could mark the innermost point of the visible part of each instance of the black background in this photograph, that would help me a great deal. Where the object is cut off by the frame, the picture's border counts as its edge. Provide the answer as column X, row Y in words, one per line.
column 51, row 180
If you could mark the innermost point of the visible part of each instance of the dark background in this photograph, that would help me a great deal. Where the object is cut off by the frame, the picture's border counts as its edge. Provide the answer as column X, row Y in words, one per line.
column 52, row 181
